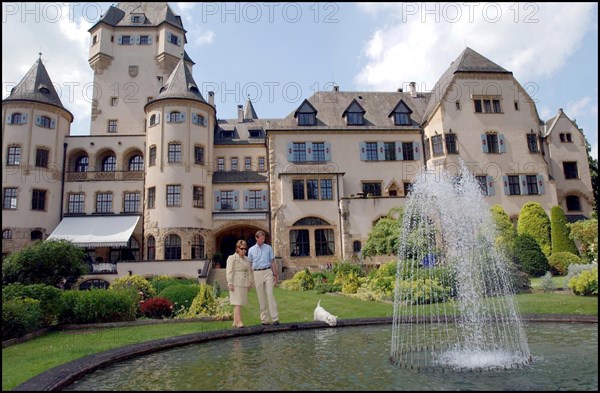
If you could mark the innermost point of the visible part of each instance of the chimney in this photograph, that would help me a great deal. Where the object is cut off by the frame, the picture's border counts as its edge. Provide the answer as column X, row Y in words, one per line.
column 336, row 88
column 240, row 114
column 211, row 98
column 412, row 87
column 400, row 90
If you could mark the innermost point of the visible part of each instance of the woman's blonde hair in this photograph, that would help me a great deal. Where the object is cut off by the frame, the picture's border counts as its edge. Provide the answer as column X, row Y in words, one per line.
column 240, row 243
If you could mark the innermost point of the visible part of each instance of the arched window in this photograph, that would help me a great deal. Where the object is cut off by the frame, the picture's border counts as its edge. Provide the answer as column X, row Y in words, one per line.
column 81, row 164
column 573, row 203
column 37, row 235
column 172, row 247
column 198, row 247
column 136, row 163
column 310, row 221
column 356, row 246
column 109, row 164
column 45, row 121
column 151, row 248
column 16, row 118
column 7, row 234
column 175, row 117
column 153, row 120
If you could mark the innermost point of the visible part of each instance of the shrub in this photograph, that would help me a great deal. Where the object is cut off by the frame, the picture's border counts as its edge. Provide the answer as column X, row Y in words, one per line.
column 547, row 283
column 560, row 232
column 585, row 283
column 290, row 285
column 574, row 270
column 534, row 221
column 204, row 303
column 306, row 280
column 423, row 291
column 99, row 305
column 325, row 287
column 586, row 232
column 20, row 317
column 140, row 284
column 182, row 296
column 162, row 281
column 505, row 229
column 50, row 298
column 529, row 256
column 560, row 262
column 217, row 289
column 157, row 308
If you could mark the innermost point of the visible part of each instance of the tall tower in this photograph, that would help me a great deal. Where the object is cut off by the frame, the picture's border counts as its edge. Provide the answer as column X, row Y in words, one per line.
column 134, row 48
column 34, row 126
column 178, row 186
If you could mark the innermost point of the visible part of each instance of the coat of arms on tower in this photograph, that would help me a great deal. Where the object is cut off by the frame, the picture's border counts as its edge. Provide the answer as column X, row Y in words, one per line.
column 133, row 71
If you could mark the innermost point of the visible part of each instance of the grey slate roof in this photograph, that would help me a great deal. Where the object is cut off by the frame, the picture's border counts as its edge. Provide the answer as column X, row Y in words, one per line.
column 180, row 84
column 467, row 61
column 33, row 87
column 249, row 112
column 155, row 14
column 238, row 177
column 331, row 105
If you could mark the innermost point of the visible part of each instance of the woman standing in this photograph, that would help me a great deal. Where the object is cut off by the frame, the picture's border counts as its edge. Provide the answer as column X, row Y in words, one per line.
column 239, row 279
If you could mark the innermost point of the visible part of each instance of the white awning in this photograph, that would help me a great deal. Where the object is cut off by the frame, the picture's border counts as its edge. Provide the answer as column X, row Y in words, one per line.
column 104, row 231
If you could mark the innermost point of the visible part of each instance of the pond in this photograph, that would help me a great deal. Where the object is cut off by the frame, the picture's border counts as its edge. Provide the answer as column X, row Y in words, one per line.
column 565, row 357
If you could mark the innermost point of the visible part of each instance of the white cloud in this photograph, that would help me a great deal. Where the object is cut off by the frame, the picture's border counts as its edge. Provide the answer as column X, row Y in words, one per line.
column 579, row 108
column 205, row 38
column 425, row 37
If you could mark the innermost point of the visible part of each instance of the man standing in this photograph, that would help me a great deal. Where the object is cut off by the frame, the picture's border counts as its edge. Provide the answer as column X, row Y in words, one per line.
column 265, row 277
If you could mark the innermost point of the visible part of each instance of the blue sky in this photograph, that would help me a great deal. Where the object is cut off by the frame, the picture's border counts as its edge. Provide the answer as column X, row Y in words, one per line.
column 281, row 53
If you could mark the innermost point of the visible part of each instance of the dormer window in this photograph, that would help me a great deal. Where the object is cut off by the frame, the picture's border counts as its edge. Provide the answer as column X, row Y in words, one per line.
column 306, row 119
column 355, row 114
column 255, row 133
column 43, row 89
column 401, row 119
column 136, row 19
column 355, row 119
column 306, row 114
column 227, row 134
column 401, row 113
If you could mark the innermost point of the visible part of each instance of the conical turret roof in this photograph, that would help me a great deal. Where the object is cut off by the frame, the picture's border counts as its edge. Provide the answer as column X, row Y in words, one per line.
column 249, row 112
column 180, row 84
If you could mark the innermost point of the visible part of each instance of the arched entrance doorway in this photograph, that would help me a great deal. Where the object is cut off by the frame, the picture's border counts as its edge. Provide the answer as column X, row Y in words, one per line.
column 226, row 239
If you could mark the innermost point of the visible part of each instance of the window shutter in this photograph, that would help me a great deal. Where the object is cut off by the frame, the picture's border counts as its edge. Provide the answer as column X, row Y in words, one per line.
column 416, row 149
column 484, row 144
column 380, row 151
column 309, row 151
column 178, row 41
column 168, row 117
column 38, row 121
column 168, row 36
column 327, row 151
column 399, row 155
column 137, row 39
column 158, row 118
column 120, row 40
column 506, row 187
column 264, row 199
column 236, row 200
column 217, row 200
column 523, row 184
column 9, row 119
column 52, row 123
column 490, row 185
column 24, row 118
column 540, row 180
column 290, row 152
column 246, row 199
column 194, row 118
column 363, row 151
column 501, row 143
column 149, row 39
column 182, row 117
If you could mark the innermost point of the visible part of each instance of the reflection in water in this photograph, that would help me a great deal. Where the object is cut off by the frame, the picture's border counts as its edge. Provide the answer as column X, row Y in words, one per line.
column 348, row 358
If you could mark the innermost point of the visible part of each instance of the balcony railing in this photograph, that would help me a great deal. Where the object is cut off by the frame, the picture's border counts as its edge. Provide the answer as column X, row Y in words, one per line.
column 105, row 176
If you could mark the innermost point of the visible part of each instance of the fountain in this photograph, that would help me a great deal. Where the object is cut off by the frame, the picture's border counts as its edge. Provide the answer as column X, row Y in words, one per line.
column 454, row 307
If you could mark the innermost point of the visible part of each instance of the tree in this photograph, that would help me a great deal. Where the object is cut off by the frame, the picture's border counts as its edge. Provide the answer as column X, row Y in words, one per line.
column 529, row 256
column 586, row 232
column 383, row 237
column 53, row 262
column 505, row 228
column 534, row 221
column 560, row 231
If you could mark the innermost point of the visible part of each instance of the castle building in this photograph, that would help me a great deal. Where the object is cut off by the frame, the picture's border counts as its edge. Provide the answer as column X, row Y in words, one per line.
column 162, row 185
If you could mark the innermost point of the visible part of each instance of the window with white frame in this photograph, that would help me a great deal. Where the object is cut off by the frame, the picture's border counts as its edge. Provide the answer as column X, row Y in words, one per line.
column 76, row 203
column 173, row 195
column 104, row 202
column 9, row 201
column 174, row 154
column 14, row 156
column 131, row 202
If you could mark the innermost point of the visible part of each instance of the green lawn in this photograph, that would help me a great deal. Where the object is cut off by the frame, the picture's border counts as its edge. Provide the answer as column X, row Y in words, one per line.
column 23, row 361
column 558, row 281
